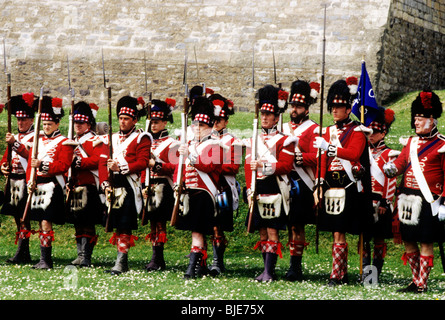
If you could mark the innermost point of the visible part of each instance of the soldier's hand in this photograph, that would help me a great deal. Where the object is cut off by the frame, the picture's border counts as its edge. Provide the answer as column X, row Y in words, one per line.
column 35, row 163
column 183, row 149
column 9, row 137
column 256, row 164
column 390, row 169
column 113, row 165
column 5, row 169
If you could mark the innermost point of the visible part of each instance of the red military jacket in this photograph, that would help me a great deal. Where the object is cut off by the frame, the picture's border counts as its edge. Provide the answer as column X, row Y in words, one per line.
column 276, row 150
column 164, row 149
column 232, row 153
column 353, row 142
column 383, row 154
column 20, row 153
column 431, row 154
column 305, row 152
column 93, row 154
column 203, row 166
column 54, row 153
column 306, row 133
column 132, row 151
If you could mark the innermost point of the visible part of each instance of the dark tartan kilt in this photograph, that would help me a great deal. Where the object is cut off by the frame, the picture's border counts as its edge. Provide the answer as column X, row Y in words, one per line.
column 268, row 185
column 55, row 211
column 15, row 210
column 428, row 230
column 224, row 218
column 201, row 213
column 357, row 214
column 125, row 217
column 92, row 213
column 302, row 210
column 382, row 229
column 164, row 212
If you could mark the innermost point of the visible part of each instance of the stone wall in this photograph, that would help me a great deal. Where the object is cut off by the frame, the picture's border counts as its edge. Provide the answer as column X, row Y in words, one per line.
column 219, row 36
column 413, row 47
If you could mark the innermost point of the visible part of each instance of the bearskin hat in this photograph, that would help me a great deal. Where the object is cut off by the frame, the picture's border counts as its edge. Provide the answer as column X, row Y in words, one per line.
column 272, row 99
column 84, row 112
column 196, row 91
column 341, row 94
column 383, row 120
column 130, row 106
column 427, row 104
column 51, row 108
column 162, row 110
column 223, row 106
column 301, row 94
column 202, row 110
column 22, row 106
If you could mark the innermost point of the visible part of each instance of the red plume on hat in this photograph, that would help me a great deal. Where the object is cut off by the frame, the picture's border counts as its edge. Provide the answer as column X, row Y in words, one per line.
column 171, row 102
column 94, row 109
column 425, row 97
column 56, row 103
column 28, row 97
column 389, row 116
column 315, row 89
column 352, row 83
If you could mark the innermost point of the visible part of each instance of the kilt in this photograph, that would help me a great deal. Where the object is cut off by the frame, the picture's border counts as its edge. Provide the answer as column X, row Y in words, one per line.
column 382, row 229
column 268, row 185
column 428, row 229
column 356, row 217
column 302, row 210
column 201, row 213
column 163, row 193
column 48, row 201
column 16, row 207
column 90, row 209
column 125, row 215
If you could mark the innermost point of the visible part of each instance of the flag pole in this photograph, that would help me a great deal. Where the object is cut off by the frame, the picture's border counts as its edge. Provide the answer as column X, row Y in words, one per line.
column 362, row 120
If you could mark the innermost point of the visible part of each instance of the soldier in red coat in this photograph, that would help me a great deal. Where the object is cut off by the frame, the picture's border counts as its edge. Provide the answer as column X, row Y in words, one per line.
column 346, row 182
column 273, row 164
column 302, row 212
column 159, row 180
column 55, row 154
column 228, row 198
column 87, row 170
column 420, row 199
column 15, row 196
column 383, row 190
column 203, row 167
column 131, row 155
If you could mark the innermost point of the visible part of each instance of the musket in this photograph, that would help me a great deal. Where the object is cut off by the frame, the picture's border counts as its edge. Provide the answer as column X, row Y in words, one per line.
column 8, row 91
column 147, row 170
column 320, row 133
column 280, row 121
column 70, row 180
column 253, row 156
column 110, row 148
column 180, row 175
column 35, row 152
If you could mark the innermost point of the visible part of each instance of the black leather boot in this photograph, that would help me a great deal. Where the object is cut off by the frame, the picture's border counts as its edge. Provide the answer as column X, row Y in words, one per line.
column 295, row 272
column 269, row 268
column 46, row 261
column 157, row 261
column 22, row 255
column 218, row 259
column 197, row 266
column 121, row 264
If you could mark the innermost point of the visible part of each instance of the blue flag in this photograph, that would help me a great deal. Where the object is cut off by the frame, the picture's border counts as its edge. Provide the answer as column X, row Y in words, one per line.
column 366, row 98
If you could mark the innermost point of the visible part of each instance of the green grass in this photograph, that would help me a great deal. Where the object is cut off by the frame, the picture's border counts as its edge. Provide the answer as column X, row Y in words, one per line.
column 243, row 264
